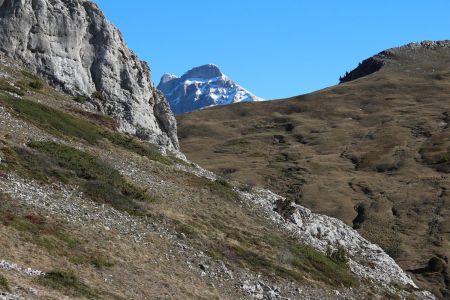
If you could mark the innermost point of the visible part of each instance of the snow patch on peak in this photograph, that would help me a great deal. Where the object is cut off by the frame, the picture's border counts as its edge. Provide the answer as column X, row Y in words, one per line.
column 205, row 71
column 167, row 77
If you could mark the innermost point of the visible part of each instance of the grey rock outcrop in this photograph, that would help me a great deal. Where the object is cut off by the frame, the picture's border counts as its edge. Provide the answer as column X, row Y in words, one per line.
column 73, row 46
column 325, row 233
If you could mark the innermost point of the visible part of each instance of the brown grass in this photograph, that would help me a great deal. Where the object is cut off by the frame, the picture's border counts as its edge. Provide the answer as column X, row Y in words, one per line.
column 380, row 141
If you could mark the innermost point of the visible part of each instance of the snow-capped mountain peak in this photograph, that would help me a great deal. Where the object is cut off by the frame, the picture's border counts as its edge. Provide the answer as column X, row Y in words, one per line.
column 201, row 87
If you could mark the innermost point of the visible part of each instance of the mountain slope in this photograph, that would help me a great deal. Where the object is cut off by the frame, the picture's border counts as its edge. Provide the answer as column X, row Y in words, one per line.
column 371, row 151
column 77, row 50
column 201, row 87
column 87, row 212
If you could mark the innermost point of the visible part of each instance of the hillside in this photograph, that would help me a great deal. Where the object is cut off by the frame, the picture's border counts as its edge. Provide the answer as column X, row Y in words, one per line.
column 202, row 87
column 90, row 213
column 97, row 201
column 372, row 151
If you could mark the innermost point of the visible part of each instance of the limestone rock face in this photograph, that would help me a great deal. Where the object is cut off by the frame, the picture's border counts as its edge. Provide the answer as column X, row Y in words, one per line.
column 326, row 234
column 73, row 46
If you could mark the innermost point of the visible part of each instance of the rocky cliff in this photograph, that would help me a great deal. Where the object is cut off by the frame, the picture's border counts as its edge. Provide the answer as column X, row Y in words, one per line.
column 201, row 87
column 73, row 46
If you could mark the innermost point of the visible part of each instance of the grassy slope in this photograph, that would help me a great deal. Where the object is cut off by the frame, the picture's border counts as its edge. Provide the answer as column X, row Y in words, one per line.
column 378, row 145
column 86, row 155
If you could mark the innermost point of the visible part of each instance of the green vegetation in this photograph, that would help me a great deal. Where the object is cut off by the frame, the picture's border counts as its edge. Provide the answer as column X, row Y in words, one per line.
column 98, row 95
column 435, row 264
column 220, row 187
column 435, row 152
column 233, row 235
column 270, row 255
column 5, row 86
column 64, row 124
column 247, row 187
column 4, row 285
column 37, row 84
column 48, row 234
column 104, row 122
column 299, row 262
column 339, row 255
column 98, row 261
column 36, row 228
column 67, row 282
column 56, row 243
column 46, row 161
column 80, row 99
column 30, row 75
column 144, row 149
column 52, row 120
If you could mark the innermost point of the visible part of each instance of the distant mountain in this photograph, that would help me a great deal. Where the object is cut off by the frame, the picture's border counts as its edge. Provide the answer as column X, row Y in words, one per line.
column 202, row 87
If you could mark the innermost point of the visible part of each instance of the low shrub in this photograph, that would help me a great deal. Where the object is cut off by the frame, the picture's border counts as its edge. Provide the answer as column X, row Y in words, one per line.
column 223, row 182
column 30, row 75
column 338, row 255
column 103, row 192
column 46, row 161
column 64, row 124
column 5, row 86
column 36, row 84
column 4, row 285
column 67, row 282
column 247, row 187
column 36, row 228
column 98, row 261
column 98, row 95
column 80, row 99
column 52, row 120
column 142, row 148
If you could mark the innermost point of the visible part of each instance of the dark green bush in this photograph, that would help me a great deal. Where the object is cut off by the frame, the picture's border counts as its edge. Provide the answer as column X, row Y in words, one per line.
column 30, row 75
column 47, row 161
column 435, row 264
column 53, row 120
column 339, row 255
column 247, row 187
column 68, row 283
column 80, row 99
column 98, row 261
column 64, row 124
column 142, row 148
column 104, row 192
column 5, row 86
column 98, row 95
column 37, row 84
column 4, row 285
column 35, row 228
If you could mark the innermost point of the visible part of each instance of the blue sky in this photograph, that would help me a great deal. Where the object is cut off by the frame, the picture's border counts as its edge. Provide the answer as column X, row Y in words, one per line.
column 274, row 48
